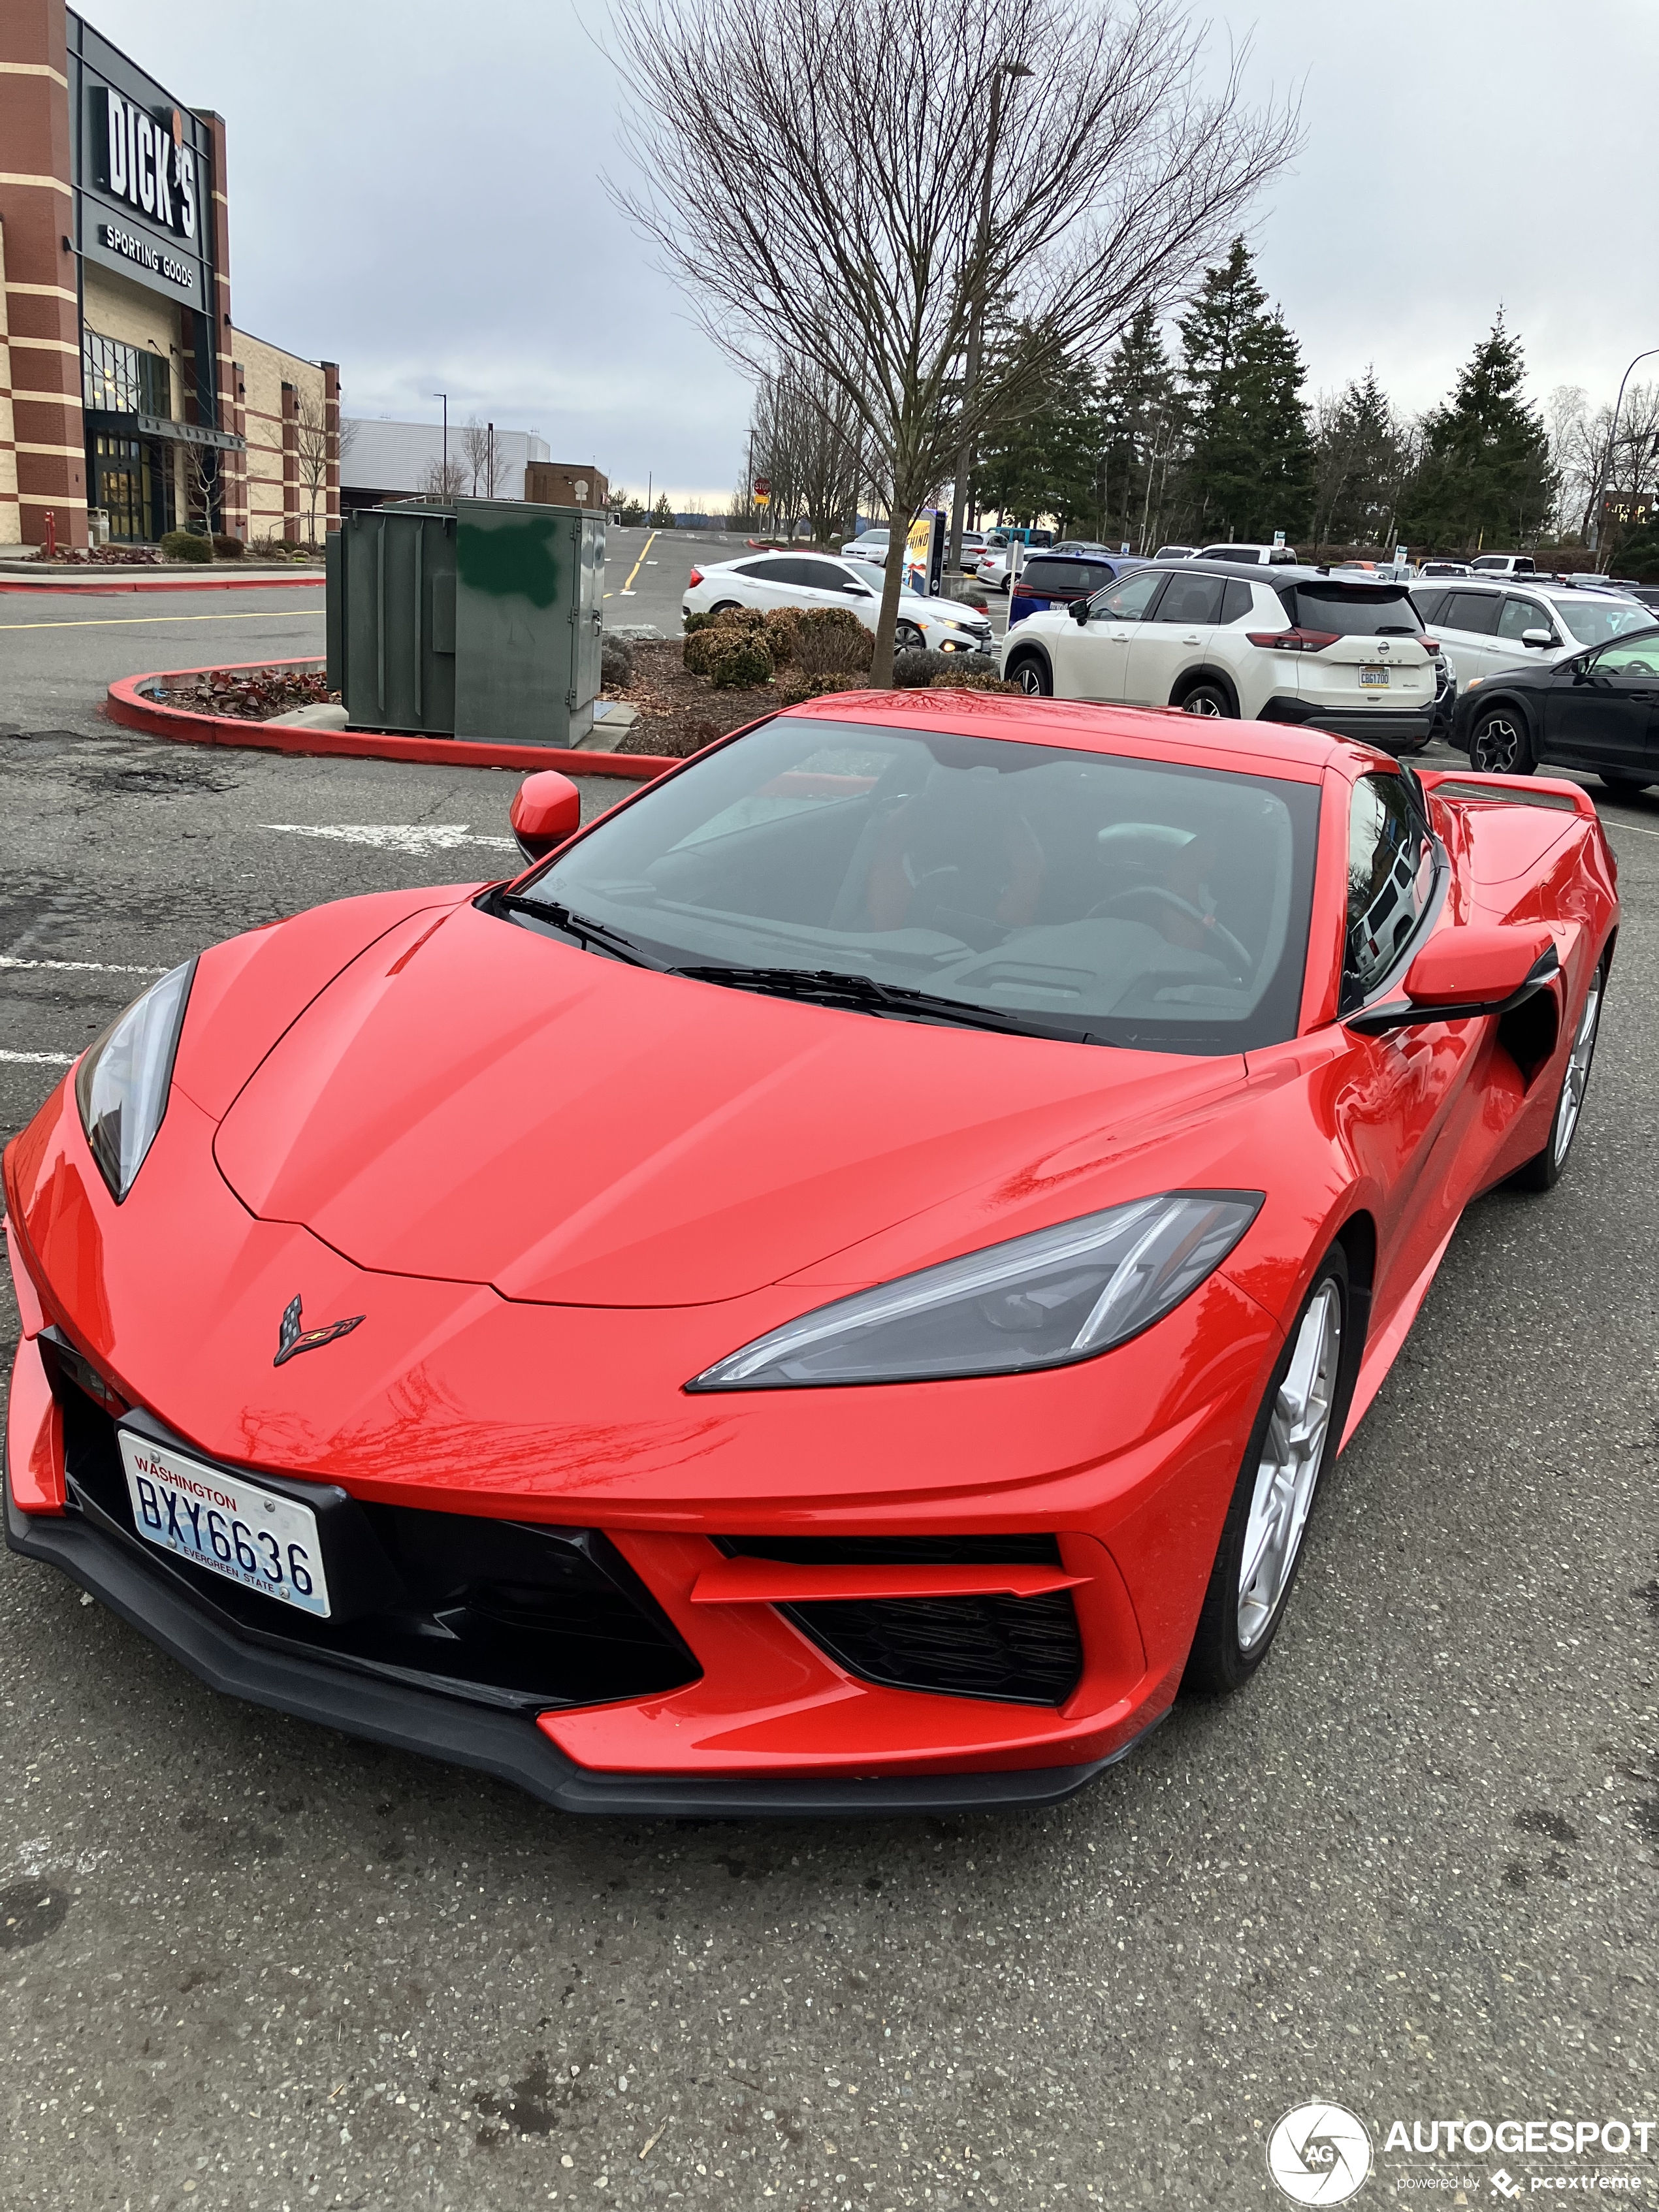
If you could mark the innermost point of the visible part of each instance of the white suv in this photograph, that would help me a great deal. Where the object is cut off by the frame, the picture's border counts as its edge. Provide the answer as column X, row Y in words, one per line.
column 1284, row 645
column 1251, row 556
column 1486, row 625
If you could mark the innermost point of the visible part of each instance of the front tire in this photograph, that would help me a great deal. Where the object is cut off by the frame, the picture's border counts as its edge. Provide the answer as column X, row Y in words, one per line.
column 1501, row 744
column 907, row 638
column 1545, row 1168
column 1294, row 1438
column 1032, row 674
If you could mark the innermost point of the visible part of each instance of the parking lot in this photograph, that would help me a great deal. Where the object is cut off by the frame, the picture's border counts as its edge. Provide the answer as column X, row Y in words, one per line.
column 251, row 1965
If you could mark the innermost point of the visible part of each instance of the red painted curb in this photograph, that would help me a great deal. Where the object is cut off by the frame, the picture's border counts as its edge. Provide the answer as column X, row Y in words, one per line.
column 126, row 704
column 149, row 583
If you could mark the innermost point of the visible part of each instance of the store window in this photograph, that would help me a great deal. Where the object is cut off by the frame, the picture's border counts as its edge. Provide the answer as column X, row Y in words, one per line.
column 123, row 379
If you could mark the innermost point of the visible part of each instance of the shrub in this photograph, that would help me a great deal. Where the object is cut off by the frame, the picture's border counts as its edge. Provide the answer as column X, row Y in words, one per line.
column 742, row 663
column 185, row 545
column 695, row 622
column 915, row 670
column 228, row 548
column 830, row 641
column 796, row 688
column 969, row 679
column 616, row 665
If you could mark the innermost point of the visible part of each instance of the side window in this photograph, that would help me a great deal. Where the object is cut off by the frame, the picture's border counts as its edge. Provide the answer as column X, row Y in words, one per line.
column 1192, row 599
column 1475, row 612
column 1520, row 616
column 1390, row 875
column 1639, row 657
column 818, row 575
column 1430, row 604
column 770, row 571
column 1237, row 600
column 1129, row 601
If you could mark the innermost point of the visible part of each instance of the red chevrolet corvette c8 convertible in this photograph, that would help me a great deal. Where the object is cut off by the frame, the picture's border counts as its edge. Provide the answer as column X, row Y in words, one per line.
column 837, row 1288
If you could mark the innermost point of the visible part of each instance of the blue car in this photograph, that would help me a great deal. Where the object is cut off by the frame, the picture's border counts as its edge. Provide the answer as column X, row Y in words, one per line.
column 1054, row 579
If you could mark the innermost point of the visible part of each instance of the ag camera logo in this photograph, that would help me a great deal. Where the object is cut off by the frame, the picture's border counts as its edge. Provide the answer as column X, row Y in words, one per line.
column 1319, row 2154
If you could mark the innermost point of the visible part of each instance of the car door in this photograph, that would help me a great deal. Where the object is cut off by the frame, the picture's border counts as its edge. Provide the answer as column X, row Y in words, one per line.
column 766, row 584
column 1407, row 1089
column 820, row 582
column 1090, row 658
column 1602, row 709
column 1521, row 614
column 1468, row 627
column 1174, row 637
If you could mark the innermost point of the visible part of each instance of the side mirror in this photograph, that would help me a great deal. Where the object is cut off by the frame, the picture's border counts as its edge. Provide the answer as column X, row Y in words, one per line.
column 1542, row 639
column 857, row 591
column 1080, row 611
column 547, row 808
column 1463, row 973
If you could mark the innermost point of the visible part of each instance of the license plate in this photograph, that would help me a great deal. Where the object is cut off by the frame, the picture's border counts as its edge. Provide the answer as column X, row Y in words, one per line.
column 226, row 1523
column 1373, row 677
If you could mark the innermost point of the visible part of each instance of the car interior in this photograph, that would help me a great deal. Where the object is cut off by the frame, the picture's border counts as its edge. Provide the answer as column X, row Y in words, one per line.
column 1029, row 880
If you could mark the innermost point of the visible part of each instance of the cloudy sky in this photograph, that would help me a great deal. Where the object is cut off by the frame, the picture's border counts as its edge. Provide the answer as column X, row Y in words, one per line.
column 415, row 193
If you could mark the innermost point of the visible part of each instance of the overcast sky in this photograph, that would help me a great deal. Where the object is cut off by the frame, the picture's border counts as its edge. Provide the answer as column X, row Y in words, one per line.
column 415, row 193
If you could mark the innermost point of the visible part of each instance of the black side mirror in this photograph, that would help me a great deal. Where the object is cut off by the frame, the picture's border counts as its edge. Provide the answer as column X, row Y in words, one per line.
column 1080, row 611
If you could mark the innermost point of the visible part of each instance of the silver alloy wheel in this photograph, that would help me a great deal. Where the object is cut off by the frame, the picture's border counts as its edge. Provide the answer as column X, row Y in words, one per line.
column 1291, row 1457
column 1578, row 1067
column 1202, row 703
column 1029, row 676
column 1498, row 748
column 907, row 638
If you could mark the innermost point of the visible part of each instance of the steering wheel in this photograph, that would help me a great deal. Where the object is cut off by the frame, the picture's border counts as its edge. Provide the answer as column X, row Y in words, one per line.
column 1232, row 953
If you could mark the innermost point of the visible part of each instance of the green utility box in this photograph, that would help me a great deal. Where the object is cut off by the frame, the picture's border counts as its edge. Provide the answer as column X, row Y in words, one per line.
column 468, row 618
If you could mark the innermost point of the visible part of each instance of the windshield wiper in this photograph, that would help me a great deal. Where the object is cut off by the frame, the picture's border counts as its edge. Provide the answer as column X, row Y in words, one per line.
column 577, row 925
column 830, row 987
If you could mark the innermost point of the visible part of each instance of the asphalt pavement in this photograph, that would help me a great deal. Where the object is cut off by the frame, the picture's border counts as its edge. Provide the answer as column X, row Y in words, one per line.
column 248, row 1963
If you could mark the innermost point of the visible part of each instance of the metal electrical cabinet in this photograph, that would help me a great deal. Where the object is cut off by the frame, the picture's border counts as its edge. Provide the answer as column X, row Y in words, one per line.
column 468, row 618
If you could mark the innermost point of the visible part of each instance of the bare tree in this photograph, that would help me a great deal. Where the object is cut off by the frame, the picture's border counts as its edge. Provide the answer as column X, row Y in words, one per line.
column 807, row 444
column 481, row 447
column 313, row 449
column 805, row 188
column 443, row 479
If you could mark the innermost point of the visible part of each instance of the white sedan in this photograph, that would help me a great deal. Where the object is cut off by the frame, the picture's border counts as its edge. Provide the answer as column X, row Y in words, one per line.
column 820, row 580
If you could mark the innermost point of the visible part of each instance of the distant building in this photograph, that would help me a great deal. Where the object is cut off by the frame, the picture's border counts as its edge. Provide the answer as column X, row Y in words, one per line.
column 130, row 404
column 567, row 484
column 396, row 460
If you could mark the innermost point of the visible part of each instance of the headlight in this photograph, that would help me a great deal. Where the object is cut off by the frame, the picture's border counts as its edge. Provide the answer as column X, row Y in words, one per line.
column 1062, row 1295
column 121, row 1084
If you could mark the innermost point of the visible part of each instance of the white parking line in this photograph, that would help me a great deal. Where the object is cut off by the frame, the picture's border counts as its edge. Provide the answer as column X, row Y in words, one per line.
column 83, row 967
column 417, row 837
column 39, row 1059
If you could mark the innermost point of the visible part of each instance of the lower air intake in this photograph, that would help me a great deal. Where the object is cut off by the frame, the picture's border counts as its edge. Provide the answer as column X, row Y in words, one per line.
column 1023, row 1651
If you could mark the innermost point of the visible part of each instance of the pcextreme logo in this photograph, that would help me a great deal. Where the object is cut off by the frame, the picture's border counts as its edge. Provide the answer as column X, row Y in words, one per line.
column 1319, row 2154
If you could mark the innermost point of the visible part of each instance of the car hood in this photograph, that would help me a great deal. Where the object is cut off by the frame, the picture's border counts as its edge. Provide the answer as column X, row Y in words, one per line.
column 472, row 1100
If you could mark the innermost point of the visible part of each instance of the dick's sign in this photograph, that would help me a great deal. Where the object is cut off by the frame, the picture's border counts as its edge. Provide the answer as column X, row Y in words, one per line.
column 146, row 163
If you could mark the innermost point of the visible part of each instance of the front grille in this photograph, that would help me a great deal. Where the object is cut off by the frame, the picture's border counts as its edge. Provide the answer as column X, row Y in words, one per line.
column 508, row 1612
column 1022, row 1650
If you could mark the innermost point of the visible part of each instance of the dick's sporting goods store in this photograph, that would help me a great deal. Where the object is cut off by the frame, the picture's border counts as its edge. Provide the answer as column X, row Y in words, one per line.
column 130, row 402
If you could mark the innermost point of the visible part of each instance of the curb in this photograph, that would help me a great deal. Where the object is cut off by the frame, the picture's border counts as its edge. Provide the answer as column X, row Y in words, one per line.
column 147, row 583
column 125, row 703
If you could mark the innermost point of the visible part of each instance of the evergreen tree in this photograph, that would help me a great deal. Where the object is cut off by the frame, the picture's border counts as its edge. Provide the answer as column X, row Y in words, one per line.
column 662, row 515
column 1362, row 457
column 1485, row 477
column 1249, row 462
column 1047, row 460
column 1142, row 424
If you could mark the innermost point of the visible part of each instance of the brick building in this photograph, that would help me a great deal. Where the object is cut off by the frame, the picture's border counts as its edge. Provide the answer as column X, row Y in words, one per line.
column 127, row 397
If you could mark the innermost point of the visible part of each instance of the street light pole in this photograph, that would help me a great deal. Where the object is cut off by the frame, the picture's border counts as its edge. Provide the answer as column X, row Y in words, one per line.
column 444, row 396
column 1613, row 433
column 965, row 452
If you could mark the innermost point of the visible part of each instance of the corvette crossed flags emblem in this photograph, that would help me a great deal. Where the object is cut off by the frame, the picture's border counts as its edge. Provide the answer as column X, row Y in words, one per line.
column 292, row 1339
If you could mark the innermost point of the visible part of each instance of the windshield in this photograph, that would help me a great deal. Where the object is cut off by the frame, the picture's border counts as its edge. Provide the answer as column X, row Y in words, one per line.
column 1594, row 622
column 867, row 573
column 1080, row 896
column 1356, row 610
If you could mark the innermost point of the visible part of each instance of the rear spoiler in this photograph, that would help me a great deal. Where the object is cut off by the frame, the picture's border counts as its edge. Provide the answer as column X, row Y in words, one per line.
column 1468, row 788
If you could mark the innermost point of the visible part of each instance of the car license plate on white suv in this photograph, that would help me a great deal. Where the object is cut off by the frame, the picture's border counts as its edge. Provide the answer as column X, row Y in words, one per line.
column 1373, row 677
column 226, row 1523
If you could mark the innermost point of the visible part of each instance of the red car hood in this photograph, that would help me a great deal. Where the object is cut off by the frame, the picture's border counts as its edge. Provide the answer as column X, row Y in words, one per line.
column 470, row 1101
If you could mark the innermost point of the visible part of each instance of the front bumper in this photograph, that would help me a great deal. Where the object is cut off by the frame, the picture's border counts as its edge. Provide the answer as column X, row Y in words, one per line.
column 1390, row 729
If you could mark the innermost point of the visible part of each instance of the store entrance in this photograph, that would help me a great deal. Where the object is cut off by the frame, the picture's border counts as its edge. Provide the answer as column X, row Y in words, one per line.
column 134, row 485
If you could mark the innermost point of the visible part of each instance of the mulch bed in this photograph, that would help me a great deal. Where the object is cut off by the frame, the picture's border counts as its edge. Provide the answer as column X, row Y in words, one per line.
column 679, row 713
column 253, row 698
